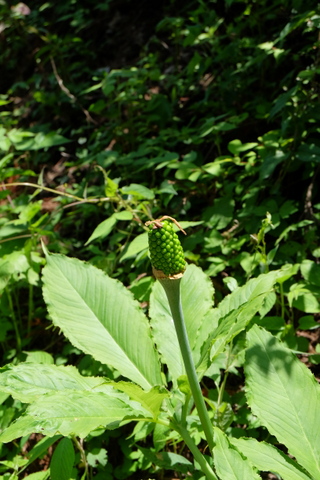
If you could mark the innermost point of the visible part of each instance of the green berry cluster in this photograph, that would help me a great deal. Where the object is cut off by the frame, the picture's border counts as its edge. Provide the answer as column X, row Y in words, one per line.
column 165, row 249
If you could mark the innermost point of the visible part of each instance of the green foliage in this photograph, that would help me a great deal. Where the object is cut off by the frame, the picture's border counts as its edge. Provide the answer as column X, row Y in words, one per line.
column 63, row 402
column 265, row 358
column 111, row 115
column 88, row 304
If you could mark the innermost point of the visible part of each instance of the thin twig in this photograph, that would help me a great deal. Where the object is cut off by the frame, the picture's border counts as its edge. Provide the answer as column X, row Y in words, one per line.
column 56, row 192
column 69, row 94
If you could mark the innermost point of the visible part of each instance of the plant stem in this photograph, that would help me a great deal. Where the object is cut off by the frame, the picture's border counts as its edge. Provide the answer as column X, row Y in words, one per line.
column 282, row 301
column 14, row 320
column 204, row 465
column 79, row 444
column 30, row 309
column 172, row 289
column 224, row 380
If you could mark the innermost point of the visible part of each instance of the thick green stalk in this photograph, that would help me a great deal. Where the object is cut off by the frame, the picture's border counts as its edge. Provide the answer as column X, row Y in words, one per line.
column 172, row 289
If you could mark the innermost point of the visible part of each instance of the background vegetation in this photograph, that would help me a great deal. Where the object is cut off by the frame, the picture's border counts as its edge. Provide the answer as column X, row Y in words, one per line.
column 113, row 113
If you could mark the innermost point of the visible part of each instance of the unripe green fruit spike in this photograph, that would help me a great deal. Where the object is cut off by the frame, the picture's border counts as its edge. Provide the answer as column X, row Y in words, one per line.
column 165, row 248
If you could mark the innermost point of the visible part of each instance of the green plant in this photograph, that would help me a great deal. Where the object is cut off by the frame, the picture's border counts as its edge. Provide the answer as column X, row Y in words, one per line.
column 208, row 110
column 100, row 317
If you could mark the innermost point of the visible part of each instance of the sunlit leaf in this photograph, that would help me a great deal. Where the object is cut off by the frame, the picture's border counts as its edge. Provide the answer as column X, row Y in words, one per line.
column 100, row 317
column 284, row 395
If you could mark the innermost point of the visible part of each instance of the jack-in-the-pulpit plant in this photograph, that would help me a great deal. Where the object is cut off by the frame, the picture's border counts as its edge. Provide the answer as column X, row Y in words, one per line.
column 159, row 361
column 168, row 263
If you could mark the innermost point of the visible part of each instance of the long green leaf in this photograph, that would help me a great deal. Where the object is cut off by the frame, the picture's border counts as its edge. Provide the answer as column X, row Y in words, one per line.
column 62, row 460
column 72, row 413
column 29, row 382
column 267, row 458
column 285, row 396
column 228, row 461
column 197, row 299
column 100, row 317
column 103, row 229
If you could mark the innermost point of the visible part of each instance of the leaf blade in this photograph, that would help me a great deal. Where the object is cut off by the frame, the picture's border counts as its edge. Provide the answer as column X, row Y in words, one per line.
column 72, row 413
column 62, row 460
column 266, row 458
column 229, row 463
column 284, row 395
column 100, row 317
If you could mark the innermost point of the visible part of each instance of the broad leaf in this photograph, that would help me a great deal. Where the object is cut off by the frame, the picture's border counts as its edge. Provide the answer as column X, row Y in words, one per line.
column 100, row 317
column 29, row 381
column 228, row 461
column 72, row 413
column 285, row 396
column 267, row 458
column 234, row 313
column 197, row 299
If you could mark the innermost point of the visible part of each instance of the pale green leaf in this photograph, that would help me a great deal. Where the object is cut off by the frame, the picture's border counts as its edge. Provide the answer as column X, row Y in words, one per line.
column 139, row 191
column 103, row 229
column 235, row 312
column 304, row 297
column 285, row 396
column 39, row 356
column 268, row 458
column 37, row 475
column 310, row 272
column 228, row 461
column 51, row 139
column 29, row 381
column 124, row 215
column 100, row 317
column 197, row 300
column 236, row 146
column 137, row 245
column 62, row 460
column 72, row 413
column 150, row 401
column 111, row 187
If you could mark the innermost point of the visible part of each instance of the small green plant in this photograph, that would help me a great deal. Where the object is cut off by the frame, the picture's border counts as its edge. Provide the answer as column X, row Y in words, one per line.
column 100, row 317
